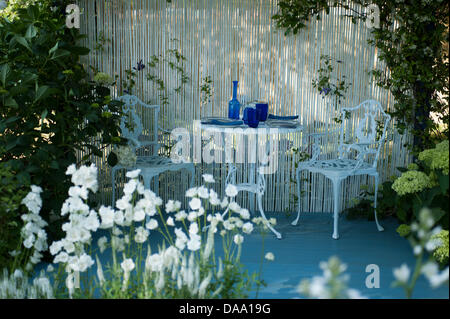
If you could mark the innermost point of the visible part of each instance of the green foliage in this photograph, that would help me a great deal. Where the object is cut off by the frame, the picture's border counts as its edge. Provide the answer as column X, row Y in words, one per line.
column 441, row 252
column 421, row 185
column 207, row 90
column 404, row 230
column 413, row 51
column 363, row 205
column 11, row 194
column 49, row 107
column 328, row 83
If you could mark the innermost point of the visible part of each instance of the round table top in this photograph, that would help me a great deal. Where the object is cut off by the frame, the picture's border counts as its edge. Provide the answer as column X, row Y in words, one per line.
column 263, row 128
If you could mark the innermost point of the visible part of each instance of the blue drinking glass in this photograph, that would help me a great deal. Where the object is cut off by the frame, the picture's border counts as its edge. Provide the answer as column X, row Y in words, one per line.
column 245, row 115
column 253, row 115
column 264, row 109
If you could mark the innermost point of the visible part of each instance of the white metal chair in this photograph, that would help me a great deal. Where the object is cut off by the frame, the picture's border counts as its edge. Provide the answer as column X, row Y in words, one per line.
column 151, row 165
column 367, row 146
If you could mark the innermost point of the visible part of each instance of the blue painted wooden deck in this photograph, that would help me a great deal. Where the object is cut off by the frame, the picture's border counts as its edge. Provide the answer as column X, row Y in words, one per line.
column 298, row 254
column 303, row 247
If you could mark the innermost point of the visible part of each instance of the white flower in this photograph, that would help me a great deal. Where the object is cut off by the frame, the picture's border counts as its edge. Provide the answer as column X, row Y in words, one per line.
column 402, row 273
column 107, row 216
column 84, row 262
column 50, row 268
column 55, row 247
column 77, row 191
column 269, row 256
column 238, row 239
column 170, row 221
column 91, row 222
column 417, row 250
column 193, row 228
column 102, row 241
column 194, row 242
column 203, row 192
column 152, row 224
column 195, row 203
column 191, row 192
column 119, row 218
column 133, row 174
column 124, row 202
column 318, row 288
column 192, row 216
column 231, row 190
column 71, row 169
column 181, row 215
column 172, row 206
column 208, row 178
column 139, row 215
column 28, row 243
column 430, row 269
column 181, row 240
column 247, row 228
column 62, row 257
column 224, row 203
column 354, row 294
column 228, row 225
column 214, row 198
column 234, row 207
column 86, row 176
column 141, row 235
column 154, row 263
column 130, row 187
column 245, row 214
column 439, row 279
column 127, row 265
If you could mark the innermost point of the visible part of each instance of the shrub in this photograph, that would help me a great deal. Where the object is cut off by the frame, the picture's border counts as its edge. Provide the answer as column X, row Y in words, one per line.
column 49, row 107
column 11, row 194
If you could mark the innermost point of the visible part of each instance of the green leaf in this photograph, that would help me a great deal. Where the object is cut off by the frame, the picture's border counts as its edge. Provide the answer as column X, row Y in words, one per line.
column 79, row 50
column 443, row 182
column 4, row 73
column 31, row 32
column 41, row 92
column 59, row 54
column 112, row 159
column 11, row 102
column 53, row 50
column 44, row 114
column 24, row 42
column 54, row 165
column 437, row 213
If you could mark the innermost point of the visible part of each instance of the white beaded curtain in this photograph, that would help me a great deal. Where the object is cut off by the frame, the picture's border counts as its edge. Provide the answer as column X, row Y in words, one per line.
column 230, row 40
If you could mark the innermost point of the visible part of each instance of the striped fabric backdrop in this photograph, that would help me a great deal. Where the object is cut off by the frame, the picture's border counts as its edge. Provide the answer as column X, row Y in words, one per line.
column 237, row 40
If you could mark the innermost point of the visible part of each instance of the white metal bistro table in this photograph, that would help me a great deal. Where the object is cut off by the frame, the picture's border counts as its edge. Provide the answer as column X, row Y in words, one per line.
column 256, row 138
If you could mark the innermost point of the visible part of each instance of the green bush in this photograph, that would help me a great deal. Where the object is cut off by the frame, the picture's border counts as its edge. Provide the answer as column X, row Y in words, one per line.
column 49, row 107
column 11, row 194
column 421, row 184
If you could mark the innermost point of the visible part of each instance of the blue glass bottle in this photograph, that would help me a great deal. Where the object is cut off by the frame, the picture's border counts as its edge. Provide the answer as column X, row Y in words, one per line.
column 234, row 106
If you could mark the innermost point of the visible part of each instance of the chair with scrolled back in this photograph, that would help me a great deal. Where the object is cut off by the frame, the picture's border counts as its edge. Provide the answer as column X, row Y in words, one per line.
column 367, row 143
column 151, row 164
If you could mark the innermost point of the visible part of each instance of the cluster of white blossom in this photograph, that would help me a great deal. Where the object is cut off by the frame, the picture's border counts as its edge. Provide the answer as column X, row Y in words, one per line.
column 331, row 285
column 189, row 250
column 82, row 222
column 423, row 240
column 17, row 286
column 33, row 233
